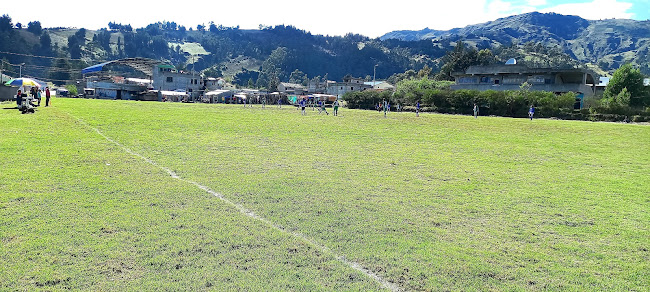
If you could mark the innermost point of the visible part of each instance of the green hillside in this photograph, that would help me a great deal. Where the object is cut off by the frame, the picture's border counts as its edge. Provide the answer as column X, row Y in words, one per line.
column 274, row 53
column 608, row 43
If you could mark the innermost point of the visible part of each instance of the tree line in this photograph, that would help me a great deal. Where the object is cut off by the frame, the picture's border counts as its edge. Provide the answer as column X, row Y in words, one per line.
column 625, row 98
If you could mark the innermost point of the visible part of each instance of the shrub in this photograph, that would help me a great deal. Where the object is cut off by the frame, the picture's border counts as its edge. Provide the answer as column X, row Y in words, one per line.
column 72, row 89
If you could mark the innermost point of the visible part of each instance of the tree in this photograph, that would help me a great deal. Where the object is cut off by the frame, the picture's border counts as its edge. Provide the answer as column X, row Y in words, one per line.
column 298, row 77
column 46, row 44
column 5, row 23
column 458, row 60
column 19, row 25
column 81, row 36
column 627, row 77
column 424, row 72
column 35, row 27
column 274, row 81
column 74, row 47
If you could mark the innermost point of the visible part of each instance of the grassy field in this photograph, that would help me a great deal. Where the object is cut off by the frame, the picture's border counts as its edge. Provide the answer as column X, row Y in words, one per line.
column 438, row 202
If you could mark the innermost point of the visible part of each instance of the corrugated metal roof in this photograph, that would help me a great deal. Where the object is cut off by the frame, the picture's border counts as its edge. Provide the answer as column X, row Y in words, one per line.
column 143, row 65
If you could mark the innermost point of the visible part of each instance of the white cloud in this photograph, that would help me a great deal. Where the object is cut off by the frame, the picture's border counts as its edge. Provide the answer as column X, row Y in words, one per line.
column 536, row 3
column 597, row 9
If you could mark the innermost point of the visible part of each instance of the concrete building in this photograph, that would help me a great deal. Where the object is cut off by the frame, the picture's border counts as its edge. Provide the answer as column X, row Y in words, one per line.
column 167, row 78
column 101, row 81
column 349, row 84
column 116, row 87
column 380, row 85
column 291, row 88
column 212, row 84
column 511, row 77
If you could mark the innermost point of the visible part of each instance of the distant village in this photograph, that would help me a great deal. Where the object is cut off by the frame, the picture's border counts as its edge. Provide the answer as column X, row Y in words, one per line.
column 164, row 82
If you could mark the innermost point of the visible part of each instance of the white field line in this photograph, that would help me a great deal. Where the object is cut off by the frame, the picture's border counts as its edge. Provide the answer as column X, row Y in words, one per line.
column 384, row 283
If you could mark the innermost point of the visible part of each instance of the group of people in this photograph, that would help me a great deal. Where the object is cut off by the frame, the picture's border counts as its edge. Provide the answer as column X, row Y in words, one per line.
column 385, row 106
column 382, row 106
column 531, row 111
column 25, row 102
column 321, row 107
column 261, row 100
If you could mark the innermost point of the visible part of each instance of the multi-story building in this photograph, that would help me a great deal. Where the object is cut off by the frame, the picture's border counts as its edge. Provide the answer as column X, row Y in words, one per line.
column 167, row 78
column 349, row 84
column 511, row 77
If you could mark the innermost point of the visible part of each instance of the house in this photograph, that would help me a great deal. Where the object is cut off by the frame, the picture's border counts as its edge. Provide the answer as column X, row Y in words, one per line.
column 212, row 84
column 116, row 87
column 602, row 85
column 349, row 84
column 167, row 78
column 101, row 84
column 317, row 86
column 217, row 96
column 380, row 85
column 511, row 77
column 291, row 88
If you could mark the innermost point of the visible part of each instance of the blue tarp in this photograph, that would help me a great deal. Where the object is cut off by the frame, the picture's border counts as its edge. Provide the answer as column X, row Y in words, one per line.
column 143, row 65
column 95, row 68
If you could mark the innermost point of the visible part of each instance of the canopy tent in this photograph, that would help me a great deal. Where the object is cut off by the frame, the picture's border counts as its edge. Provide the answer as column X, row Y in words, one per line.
column 26, row 82
column 143, row 65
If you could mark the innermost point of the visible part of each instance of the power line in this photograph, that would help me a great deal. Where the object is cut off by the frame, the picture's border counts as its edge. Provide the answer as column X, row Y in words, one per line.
column 36, row 56
column 57, row 69
column 38, row 67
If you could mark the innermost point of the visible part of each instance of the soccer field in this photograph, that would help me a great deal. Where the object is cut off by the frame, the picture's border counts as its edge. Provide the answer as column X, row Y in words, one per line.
column 124, row 195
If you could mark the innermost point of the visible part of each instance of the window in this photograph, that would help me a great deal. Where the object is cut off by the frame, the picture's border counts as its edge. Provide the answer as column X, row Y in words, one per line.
column 352, row 88
column 496, row 81
column 466, row 80
column 170, row 79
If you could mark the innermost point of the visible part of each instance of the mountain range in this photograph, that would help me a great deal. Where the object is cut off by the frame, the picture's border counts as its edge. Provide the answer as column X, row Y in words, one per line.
column 286, row 53
column 608, row 43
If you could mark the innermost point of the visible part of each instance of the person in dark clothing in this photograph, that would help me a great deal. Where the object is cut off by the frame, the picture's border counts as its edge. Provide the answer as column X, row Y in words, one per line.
column 47, row 96
column 19, row 98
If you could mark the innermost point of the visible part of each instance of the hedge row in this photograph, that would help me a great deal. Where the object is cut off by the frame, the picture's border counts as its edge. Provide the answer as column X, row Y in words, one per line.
column 491, row 102
column 498, row 103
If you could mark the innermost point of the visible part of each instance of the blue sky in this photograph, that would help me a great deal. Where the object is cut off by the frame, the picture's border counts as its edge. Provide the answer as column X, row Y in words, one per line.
column 333, row 17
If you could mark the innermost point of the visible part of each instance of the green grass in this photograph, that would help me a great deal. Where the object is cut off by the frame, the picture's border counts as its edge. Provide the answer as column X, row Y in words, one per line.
column 438, row 202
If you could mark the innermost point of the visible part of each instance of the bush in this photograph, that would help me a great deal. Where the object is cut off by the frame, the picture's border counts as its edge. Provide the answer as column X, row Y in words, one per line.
column 367, row 99
column 72, row 89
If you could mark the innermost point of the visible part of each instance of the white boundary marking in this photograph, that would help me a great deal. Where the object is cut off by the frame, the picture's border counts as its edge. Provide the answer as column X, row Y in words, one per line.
column 384, row 283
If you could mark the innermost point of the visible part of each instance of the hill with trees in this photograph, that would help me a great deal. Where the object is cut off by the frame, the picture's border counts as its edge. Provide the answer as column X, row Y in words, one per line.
column 608, row 43
column 272, row 54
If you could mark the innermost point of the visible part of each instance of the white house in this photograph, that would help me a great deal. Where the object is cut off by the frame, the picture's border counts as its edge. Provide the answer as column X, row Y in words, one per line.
column 167, row 78
column 348, row 84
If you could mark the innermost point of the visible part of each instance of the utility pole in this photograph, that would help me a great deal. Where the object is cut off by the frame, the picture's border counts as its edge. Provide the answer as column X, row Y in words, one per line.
column 374, row 73
column 192, row 82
